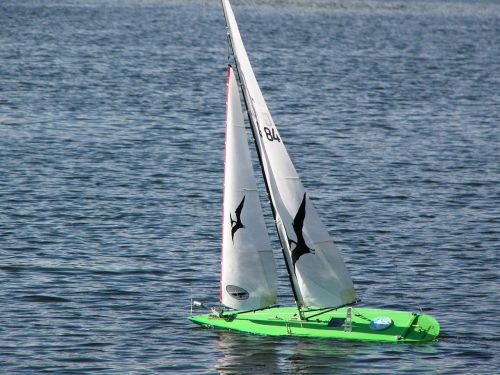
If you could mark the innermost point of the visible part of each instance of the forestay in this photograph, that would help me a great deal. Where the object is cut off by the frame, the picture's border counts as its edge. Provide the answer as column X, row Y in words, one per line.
column 317, row 272
column 248, row 279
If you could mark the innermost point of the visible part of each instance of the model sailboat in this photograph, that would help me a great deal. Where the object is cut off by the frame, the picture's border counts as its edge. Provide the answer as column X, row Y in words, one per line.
column 320, row 282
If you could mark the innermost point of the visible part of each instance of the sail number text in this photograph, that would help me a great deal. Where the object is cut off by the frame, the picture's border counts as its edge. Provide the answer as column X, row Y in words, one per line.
column 271, row 134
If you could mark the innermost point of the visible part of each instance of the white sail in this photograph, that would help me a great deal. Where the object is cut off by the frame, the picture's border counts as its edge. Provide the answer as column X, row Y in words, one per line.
column 248, row 279
column 318, row 274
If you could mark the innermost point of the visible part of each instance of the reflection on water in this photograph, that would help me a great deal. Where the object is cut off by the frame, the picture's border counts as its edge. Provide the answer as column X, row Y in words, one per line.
column 246, row 353
column 241, row 353
column 312, row 356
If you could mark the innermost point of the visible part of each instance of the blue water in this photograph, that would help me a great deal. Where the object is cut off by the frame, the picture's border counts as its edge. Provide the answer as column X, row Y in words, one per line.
column 111, row 162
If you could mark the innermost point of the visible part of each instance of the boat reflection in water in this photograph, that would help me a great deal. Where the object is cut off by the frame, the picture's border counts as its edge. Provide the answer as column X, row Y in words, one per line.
column 246, row 354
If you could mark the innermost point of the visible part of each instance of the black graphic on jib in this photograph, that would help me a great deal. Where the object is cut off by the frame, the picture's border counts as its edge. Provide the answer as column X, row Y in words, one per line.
column 237, row 224
column 298, row 223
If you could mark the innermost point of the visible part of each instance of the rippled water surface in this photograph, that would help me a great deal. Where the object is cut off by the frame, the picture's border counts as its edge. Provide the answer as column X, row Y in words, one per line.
column 111, row 162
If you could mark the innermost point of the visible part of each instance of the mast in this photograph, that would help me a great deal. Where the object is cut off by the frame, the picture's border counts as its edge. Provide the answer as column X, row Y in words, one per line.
column 252, row 117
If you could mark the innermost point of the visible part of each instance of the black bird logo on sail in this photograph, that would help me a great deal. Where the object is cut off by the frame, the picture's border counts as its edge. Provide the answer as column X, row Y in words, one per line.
column 237, row 224
column 298, row 223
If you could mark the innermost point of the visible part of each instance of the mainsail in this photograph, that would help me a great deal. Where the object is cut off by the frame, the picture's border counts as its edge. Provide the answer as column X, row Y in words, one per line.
column 248, row 278
column 317, row 272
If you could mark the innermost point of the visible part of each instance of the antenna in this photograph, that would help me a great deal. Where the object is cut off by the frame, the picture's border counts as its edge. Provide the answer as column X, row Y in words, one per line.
column 191, row 298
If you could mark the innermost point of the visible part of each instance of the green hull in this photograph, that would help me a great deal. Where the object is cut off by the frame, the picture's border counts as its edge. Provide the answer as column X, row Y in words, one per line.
column 283, row 321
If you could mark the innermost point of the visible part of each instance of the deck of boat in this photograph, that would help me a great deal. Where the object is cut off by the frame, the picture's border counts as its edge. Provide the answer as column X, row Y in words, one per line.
column 284, row 321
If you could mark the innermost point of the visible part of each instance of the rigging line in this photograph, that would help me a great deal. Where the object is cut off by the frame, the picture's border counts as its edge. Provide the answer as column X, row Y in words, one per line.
column 233, row 314
column 325, row 310
column 228, row 52
column 252, row 117
column 398, row 280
